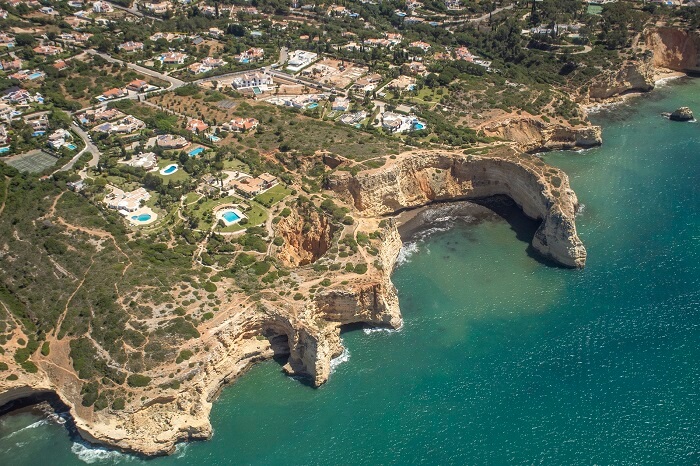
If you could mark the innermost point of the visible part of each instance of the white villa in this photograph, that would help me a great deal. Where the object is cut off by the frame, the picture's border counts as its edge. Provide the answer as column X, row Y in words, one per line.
column 300, row 59
column 126, row 201
column 250, row 80
column 397, row 123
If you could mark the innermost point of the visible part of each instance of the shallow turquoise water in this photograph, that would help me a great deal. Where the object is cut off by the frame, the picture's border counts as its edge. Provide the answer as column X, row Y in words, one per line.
column 502, row 359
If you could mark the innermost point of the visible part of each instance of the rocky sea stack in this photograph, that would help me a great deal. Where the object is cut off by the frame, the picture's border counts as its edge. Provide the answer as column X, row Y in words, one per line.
column 681, row 114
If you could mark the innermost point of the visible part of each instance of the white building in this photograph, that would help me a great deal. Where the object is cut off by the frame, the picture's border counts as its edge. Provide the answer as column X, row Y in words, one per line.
column 300, row 59
column 250, row 80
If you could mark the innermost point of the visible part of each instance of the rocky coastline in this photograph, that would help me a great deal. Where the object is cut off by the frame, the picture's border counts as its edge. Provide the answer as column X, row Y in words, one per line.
column 307, row 332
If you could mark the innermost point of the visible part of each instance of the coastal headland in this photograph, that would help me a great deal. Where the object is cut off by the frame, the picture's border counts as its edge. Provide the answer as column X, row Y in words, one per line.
column 300, row 325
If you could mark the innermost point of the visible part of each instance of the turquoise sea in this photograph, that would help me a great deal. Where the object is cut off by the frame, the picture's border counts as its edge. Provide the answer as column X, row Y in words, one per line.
column 502, row 359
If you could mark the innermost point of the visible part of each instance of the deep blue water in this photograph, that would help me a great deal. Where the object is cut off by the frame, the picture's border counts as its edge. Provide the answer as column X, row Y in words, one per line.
column 502, row 359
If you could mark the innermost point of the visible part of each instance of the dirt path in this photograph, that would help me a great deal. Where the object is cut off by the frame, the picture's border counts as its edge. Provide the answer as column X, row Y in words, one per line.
column 7, row 192
column 62, row 317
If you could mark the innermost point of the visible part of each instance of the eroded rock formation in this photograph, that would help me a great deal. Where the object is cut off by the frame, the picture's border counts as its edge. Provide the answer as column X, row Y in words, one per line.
column 674, row 49
column 423, row 177
column 634, row 76
column 307, row 236
column 535, row 135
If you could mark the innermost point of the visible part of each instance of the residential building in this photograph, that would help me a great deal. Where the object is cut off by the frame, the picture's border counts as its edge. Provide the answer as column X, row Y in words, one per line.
column 173, row 58
column 251, row 55
column 59, row 138
column 250, row 80
column 48, row 50
column 131, row 46
column 146, row 160
column 300, row 59
column 462, row 53
column 126, row 201
column 424, row 46
column 137, row 85
column 340, row 104
column 9, row 65
column 114, row 93
column 170, row 141
column 7, row 40
column 102, row 7
column 196, row 126
column 240, row 124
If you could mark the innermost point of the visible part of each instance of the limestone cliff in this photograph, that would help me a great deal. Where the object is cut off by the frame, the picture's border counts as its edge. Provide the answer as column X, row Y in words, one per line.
column 535, row 135
column 302, row 330
column 307, row 236
column 424, row 177
column 674, row 49
column 634, row 76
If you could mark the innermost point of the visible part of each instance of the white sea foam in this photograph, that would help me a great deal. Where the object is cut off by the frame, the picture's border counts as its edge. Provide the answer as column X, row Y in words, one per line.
column 664, row 81
column 33, row 425
column 90, row 454
column 371, row 330
column 181, row 449
column 344, row 357
column 581, row 208
column 406, row 252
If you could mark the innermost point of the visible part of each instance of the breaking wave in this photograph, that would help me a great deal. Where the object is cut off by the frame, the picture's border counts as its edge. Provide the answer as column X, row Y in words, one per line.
column 344, row 357
column 91, row 454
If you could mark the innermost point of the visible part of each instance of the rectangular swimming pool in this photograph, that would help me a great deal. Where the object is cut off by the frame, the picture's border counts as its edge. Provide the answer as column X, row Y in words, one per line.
column 195, row 152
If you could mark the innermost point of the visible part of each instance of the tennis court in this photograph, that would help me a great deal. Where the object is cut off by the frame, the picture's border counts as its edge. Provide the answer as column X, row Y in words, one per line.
column 34, row 161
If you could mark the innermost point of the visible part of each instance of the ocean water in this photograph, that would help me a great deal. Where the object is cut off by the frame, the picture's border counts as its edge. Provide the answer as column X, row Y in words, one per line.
column 502, row 359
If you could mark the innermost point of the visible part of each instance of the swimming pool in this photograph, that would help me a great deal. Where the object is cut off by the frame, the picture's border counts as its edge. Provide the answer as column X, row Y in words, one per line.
column 38, row 133
column 230, row 216
column 35, row 76
column 4, row 150
column 417, row 125
column 312, row 106
column 256, row 90
column 214, row 138
column 141, row 217
column 245, row 60
column 195, row 152
column 71, row 146
column 169, row 170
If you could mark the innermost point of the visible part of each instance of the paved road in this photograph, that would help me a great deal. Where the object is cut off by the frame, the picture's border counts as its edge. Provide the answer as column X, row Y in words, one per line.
column 174, row 82
column 89, row 146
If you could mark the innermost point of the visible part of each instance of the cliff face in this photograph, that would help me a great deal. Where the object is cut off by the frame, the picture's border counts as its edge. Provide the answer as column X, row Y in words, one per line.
column 423, row 177
column 307, row 236
column 634, row 76
column 535, row 135
column 675, row 49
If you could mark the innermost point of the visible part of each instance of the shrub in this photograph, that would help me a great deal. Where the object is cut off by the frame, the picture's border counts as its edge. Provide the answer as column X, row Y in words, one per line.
column 138, row 380
column 361, row 268
column 118, row 404
column 45, row 350
column 184, row 356
column 210, row 287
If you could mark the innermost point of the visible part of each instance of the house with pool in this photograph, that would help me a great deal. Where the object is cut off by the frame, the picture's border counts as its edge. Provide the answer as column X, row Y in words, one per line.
column 131, row 204
column 229, row 214
column 397, row 123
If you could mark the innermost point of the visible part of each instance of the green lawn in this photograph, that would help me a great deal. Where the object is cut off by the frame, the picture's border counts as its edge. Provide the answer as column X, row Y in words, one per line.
column 236, row 165
column 273, row 195
column 179, row 175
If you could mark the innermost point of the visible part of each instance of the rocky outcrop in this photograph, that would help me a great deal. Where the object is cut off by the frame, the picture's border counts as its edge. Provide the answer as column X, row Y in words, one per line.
column 535, row 135
column 420, row 178
column 681, row 114
column 674, row 49
column 634, row 76
column 307, row 236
